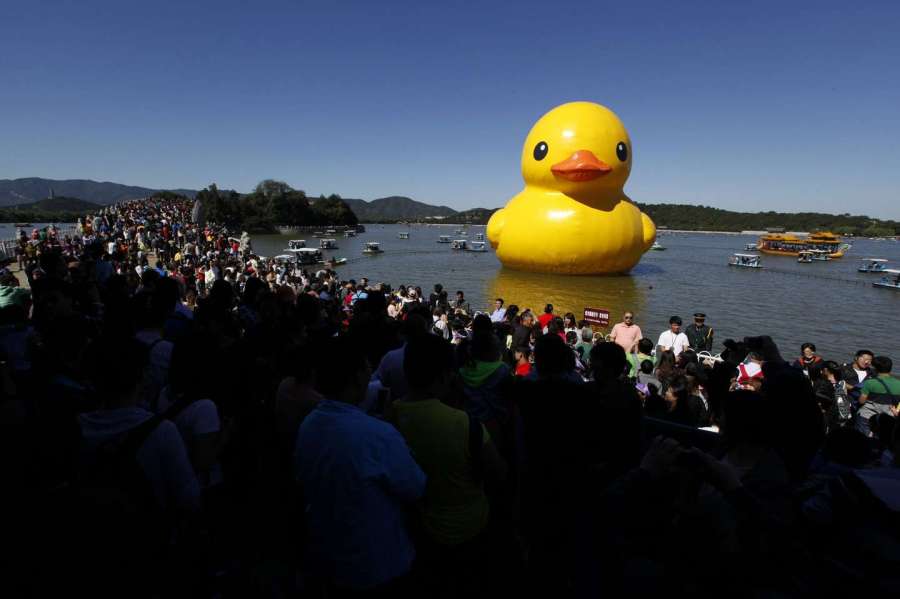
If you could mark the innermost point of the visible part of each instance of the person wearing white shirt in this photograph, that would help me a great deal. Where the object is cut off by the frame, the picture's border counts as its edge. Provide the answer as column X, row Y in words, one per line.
column 499, row 312
column 673, row 340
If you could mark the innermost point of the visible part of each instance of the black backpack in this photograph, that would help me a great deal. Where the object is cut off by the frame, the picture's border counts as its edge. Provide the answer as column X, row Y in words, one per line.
column 116, row 507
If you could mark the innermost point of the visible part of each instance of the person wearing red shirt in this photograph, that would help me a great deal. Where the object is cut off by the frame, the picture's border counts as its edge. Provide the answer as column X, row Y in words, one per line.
column 545, row 318
column 523, row 365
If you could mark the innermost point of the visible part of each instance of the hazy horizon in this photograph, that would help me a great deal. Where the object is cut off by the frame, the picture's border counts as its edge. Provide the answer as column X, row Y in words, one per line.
column 749, row 108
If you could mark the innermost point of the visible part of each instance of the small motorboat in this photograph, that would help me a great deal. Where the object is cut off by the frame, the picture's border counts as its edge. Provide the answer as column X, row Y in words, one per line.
column 820, row 255
column 458, row 244
column 335, row 262
column 805, row 257
column 403, row 235
column 372, row 247
column 308, row 256
column 349, row 233
column 873, row 265
column 328, row 244
column 745, row 261
column 751, row 247
column 891, row 280
column 475, row 246
column 479, row 236
column 657, row 247
column 296, row 244
column 444, row 239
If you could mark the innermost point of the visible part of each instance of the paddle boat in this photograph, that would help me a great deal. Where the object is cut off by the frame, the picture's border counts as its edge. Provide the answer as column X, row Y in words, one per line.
column 372, row 247
column 349, row 233
column 805, row 257
column 403, row 235
column 444, row 239
column 873, row 265
column 891, row 280
column 458, row 244
column 751, row 247
column 745, row 261
column 328, row 244
column 475, row 246
column 820, row 255
column 657, row 247
column 296, row 244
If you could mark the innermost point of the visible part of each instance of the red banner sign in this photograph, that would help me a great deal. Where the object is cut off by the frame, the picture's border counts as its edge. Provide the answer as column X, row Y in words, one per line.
column 597, row 316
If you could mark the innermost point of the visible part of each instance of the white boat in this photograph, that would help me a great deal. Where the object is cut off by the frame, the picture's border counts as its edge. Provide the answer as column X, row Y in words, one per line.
column 745, row 261
column 751, row 247
column 332, row 262
column 444, row 239
column 479, row 236
column 349, row 233
column 805, row 257
column 891, row 280
column 330, row 232
column 461, row 232
column 873, row 265
column 295, row 244
column 475, row 246
column 403, row 235
column 308, row 256
column 657, row 247
column 458, row 244
column 285, row 259
column 820, row 255
column 372, row 247
column 328, row 244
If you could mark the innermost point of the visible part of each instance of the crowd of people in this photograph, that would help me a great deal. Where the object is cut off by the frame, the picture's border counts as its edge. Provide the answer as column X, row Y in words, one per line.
column 182, row 416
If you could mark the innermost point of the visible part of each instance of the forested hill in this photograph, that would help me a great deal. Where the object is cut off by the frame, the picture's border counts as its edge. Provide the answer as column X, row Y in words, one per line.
column 707, row 218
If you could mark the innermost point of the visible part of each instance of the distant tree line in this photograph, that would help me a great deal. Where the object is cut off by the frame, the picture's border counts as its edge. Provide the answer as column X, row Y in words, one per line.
column 706, row 218
column 270, row 205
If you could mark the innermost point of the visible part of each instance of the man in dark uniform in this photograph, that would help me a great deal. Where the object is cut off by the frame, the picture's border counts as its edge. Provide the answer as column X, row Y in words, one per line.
column 699, row 335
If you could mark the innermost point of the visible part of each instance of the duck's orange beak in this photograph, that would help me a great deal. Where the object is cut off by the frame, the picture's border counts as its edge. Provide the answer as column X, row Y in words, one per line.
column 581, row 166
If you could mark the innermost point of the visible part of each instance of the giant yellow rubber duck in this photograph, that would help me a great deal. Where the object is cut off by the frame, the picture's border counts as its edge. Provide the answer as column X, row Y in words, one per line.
column 573, row 216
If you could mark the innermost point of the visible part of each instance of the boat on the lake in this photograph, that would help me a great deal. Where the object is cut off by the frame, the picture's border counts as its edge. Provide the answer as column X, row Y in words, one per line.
column 475, row 246
column 21, row 225
column 335, row 262
column 657, row 247
column 479, row 236
column 295, row 244
column 790, row 245
column 820, row 255
column 372, row 247
column 458, row 244
column 891, row 280
column 308, row 256
column 403, row 235
column 873, row 265
column 805, row 257
column 444, row 239
column 349, row 233
column 328, row 244
column 751, row 247
column 745, row 261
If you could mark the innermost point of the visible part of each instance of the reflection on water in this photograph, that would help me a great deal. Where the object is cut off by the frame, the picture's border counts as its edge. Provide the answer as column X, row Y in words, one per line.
column 567, row 293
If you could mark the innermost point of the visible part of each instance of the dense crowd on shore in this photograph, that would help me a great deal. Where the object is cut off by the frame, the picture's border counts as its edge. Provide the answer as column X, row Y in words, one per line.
column 181, row 416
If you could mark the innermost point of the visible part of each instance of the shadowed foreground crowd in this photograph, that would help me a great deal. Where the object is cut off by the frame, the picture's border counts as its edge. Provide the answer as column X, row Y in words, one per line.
column 296, row 436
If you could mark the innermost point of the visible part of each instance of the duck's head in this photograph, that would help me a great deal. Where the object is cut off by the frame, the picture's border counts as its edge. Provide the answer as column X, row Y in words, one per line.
column 580, row 149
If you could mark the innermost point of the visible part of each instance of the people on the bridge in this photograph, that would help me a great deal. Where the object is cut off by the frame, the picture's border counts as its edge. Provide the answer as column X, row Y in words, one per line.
column 230, row 402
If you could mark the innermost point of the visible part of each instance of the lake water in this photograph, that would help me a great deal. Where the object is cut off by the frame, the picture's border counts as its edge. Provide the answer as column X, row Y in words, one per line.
column 827, row 303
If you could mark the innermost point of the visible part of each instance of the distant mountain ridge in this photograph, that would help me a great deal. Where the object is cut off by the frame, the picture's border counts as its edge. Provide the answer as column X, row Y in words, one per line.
column 394, row 208
column 34, row 189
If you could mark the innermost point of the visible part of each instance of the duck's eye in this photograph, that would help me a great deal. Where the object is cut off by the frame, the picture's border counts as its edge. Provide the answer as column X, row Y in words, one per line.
column 540, row 150
column 621, row 151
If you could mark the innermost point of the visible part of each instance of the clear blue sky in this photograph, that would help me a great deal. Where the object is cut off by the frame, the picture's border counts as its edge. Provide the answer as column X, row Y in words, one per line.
column 758, row 106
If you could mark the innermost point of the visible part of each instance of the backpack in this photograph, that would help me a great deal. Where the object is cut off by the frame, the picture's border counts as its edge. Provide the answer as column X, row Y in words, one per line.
column 114, row 502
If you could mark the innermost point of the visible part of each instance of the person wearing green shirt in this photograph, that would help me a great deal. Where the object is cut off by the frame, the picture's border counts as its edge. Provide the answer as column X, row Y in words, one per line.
column 645, row 346
column 879, row 395
column 458, row 458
